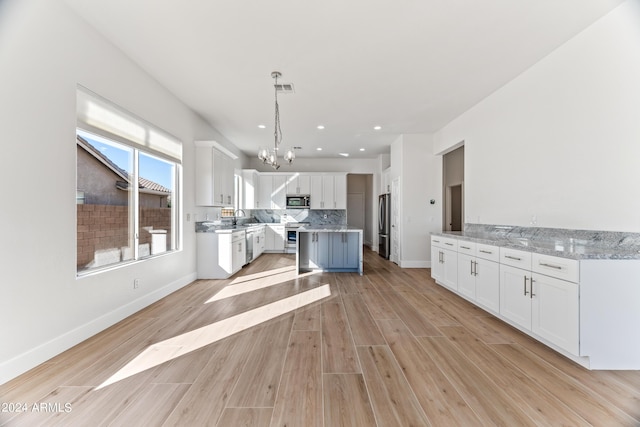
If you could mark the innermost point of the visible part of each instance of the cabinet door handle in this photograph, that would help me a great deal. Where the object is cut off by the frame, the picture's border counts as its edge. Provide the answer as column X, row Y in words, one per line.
column 471, row 262
column 513, row 257
column 531, row 294
column 525, row 286
column 544, row 264
column 475, row 268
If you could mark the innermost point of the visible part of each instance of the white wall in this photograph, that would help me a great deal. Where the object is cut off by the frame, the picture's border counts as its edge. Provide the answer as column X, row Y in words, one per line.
column 562, row 141
column 45, row 51
column 420, row 173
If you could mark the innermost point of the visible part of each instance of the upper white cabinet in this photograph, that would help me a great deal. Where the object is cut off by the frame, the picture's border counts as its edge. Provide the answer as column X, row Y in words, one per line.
column 250, row 189
column 329, row 191
column 214, row 175
column 272, row 191
column 299, row 184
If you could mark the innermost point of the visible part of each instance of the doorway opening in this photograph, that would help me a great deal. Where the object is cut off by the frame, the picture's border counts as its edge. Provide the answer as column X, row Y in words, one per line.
column 453, row 190
column 454, row 208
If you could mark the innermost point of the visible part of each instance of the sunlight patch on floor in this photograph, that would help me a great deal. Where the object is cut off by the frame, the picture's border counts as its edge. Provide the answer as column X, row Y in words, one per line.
column 261, row 274
column 260, row 282
column 177, row 346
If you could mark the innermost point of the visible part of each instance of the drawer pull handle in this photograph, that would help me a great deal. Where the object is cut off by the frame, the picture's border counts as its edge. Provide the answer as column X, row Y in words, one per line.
column 513, row 257
column 450, row 244
column 465, row 247
column 557, row 267
column 485, row 252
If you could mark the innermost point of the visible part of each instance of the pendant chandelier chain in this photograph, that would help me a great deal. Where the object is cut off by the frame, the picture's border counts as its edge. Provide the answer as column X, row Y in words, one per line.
column 266, row 155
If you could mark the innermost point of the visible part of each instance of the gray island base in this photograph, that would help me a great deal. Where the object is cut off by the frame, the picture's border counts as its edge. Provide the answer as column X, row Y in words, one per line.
column 336, row 248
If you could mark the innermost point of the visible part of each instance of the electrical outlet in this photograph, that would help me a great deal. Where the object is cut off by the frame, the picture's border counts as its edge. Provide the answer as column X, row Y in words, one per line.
column 188, row 217
column 136, row 283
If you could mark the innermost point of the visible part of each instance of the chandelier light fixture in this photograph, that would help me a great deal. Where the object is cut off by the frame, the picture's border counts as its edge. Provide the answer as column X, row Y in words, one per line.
column 270, row 156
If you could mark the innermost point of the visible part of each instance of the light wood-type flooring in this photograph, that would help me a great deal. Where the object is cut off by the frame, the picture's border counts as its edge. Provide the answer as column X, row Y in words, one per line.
column 270, row 348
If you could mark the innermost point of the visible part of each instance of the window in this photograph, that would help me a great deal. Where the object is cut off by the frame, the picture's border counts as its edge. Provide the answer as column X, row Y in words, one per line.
column 127, row 196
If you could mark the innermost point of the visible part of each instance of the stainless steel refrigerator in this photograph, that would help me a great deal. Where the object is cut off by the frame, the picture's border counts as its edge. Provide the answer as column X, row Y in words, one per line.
column 384, row 225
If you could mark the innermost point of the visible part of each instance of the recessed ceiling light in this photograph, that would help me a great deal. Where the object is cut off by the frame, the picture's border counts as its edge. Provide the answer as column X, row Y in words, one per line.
column 344, row 154
column 320, row 127
column 319, row 149
column 362, row 149
column 262, row 126
column 377, row 127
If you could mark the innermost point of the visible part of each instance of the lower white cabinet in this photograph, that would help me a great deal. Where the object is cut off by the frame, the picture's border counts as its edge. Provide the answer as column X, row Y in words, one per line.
column 274, row 238
column 238, row 250
column 445, row 266
column 479, row 275
column 538, row 293
column 220, row 255
column 515, row 301
column 555, row 307
column 547, row 306
column 258, row 242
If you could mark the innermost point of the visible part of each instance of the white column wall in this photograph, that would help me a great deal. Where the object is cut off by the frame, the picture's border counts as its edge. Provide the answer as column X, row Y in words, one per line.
column 559, row 146
column 45, row 51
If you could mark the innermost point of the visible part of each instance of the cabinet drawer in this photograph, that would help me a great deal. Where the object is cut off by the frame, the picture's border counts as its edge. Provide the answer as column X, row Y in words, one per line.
column 466, row 247
column 444, row 242
column 488, row 252
column 515, row 258
column 560, row 268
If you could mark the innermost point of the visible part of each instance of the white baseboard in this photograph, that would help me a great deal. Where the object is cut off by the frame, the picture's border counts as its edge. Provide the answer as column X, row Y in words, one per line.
column 37, row 355
column 415, row 264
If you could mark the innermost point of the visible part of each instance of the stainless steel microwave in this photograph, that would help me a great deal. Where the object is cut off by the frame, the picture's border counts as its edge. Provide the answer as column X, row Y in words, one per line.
column 298, row 202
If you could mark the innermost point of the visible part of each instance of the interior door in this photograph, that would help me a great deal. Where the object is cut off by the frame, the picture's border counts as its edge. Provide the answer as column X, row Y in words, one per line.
column 395, row 221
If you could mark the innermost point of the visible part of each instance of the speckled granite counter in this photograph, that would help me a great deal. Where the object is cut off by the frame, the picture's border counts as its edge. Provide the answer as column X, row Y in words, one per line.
column 329, row 228
column 574, row 244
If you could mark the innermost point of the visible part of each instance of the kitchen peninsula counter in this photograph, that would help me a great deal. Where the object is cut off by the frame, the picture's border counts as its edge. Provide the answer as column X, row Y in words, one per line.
column 335, row 248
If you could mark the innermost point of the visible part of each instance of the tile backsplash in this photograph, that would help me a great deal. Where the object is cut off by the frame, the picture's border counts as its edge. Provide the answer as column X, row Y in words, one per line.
column 316, row 217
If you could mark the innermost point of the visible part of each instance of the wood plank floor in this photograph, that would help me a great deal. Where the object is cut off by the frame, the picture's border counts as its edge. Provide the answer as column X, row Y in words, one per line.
column 270, row 348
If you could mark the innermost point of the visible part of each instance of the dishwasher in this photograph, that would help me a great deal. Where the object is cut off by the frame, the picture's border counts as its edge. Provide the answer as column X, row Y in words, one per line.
column 249, row 245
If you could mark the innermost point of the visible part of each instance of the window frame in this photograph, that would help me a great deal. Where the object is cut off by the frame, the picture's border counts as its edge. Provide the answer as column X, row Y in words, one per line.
column 169, row 150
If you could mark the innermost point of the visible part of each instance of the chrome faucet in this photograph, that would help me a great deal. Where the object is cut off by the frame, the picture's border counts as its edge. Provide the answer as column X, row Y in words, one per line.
column 235, row 218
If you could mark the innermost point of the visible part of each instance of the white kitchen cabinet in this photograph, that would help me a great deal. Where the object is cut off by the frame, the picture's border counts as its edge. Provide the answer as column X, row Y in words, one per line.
column 220, row 255
column 478, row 274
column 487, row 275
column 258, row 242
column 547, row 306
column 329, row 191
column 215, row 180
column 265, row 188
column 446, row 261
column 466, row 276
column 344, row 251
column 555, row 311
column 299, row 184
column 515, row 301
column 239, row 250
column 272, row 191
column 250, row 189
column 274, row 238
column 279, row 192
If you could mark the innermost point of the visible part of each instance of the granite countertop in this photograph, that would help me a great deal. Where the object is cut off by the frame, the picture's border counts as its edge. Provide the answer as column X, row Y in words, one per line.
column 574, row 244
column 210, row 227
column 328, row 228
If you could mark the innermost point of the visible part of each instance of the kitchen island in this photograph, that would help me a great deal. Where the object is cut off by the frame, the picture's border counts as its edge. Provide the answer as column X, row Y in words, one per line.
column 335, row 248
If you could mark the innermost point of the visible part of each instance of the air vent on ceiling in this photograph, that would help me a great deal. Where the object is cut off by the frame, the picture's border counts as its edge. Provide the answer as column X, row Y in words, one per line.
column 284, row 88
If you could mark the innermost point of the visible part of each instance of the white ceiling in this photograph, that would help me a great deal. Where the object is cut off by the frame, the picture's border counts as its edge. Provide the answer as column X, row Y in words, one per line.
column 410, row 66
